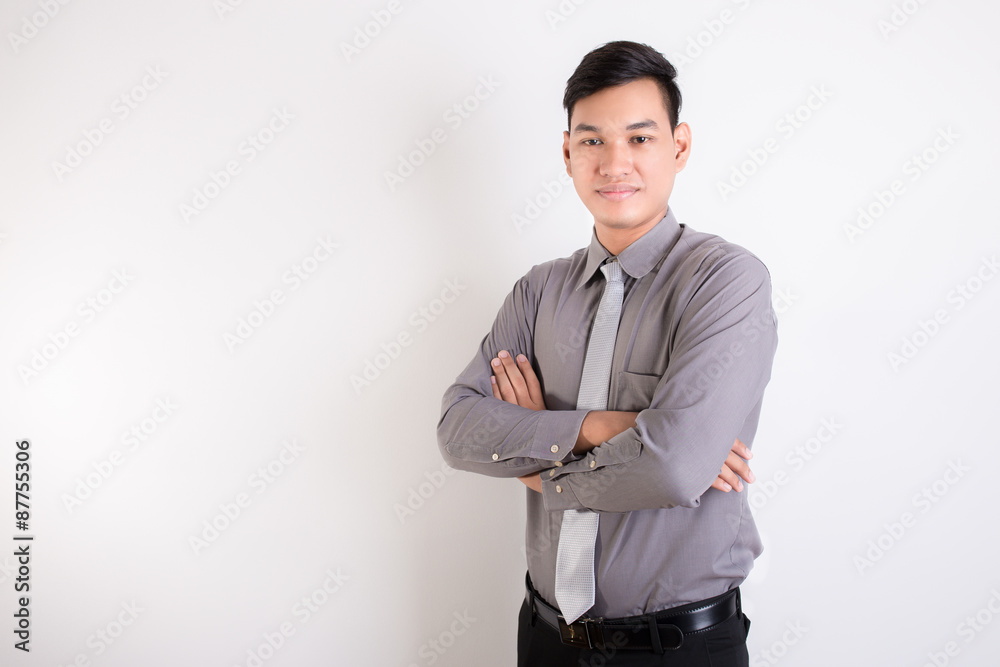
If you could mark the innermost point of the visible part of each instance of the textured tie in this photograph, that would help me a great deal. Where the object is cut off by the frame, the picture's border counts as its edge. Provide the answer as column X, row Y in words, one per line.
column 575, row 587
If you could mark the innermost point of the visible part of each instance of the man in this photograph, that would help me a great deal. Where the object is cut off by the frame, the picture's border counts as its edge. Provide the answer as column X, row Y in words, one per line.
column 620, row 385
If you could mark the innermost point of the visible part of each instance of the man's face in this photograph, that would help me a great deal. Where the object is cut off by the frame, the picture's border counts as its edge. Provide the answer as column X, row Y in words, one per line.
column 623, row 158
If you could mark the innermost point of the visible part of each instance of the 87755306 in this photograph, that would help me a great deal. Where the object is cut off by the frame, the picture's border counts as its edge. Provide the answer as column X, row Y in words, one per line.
column 22, row 485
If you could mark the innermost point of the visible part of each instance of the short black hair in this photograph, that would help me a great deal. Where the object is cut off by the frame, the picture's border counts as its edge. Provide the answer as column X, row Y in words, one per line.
column 618, row 63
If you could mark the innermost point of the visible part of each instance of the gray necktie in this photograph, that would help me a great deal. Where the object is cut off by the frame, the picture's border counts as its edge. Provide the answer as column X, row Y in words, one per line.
column 575, row 587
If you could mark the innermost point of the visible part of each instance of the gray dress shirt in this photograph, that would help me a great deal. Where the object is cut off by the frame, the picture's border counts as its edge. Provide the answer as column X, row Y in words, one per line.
column 694, row 350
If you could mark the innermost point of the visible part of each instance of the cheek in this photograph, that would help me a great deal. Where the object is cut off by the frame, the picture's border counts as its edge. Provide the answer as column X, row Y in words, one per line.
column 583, row 191
column 581, row 160
column 661, row 168
column 581, row 170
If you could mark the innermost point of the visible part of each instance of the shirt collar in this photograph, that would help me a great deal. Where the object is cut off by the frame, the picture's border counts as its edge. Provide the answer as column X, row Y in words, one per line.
column 639, row 258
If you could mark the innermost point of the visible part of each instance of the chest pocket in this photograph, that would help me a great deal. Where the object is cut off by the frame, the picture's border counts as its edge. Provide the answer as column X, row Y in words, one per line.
column 633, row 391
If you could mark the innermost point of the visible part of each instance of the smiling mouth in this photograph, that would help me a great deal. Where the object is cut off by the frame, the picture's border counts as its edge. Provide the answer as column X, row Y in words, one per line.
column 617, row 192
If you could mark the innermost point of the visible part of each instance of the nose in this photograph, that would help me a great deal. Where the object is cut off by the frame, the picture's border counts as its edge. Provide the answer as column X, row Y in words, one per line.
column 617, row 159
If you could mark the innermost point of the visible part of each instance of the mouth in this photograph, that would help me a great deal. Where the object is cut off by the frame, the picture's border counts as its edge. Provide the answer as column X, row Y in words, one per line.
column 617, row 191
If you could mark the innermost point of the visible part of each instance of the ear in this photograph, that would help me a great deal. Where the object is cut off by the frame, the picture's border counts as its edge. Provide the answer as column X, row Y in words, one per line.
column 682, row 144
column 569, row 169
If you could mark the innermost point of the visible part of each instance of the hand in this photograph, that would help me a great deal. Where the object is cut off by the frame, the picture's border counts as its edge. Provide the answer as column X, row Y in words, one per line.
column 516, row 382
column 533, row 481
column 734, row 468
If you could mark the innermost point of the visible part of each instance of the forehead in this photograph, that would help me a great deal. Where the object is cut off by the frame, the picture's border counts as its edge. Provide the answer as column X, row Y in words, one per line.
column 618, row 107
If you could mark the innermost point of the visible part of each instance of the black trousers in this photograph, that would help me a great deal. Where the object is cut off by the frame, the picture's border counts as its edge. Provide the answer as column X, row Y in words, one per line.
column 722, row 645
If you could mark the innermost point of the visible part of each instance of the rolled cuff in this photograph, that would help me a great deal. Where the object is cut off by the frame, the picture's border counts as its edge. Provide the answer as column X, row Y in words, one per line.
column 579, row 484
column 555, row 434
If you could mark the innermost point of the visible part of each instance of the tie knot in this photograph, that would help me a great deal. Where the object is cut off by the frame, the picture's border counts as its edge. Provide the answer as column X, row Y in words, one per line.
column 612, row 271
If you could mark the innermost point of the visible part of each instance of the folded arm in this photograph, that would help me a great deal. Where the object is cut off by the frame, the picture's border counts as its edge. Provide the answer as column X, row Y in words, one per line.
column 480, row 433
column 710, row 395
column 515, row 381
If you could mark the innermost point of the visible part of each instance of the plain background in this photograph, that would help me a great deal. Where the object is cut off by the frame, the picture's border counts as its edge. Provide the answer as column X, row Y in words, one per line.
column 875, row 553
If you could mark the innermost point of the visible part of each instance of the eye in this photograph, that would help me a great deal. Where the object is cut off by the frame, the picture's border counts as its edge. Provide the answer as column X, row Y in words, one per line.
column 590, row 142
column 641, row 140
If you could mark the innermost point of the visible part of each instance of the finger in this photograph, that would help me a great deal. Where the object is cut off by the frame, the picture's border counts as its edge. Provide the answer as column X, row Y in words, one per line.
column 496, row 389
column 721, row 485
column 530, row 379
column 515, row 378
column 728, row 476
column 737, row 468
column 742, row 449
column 740, row 467
column 503, row 382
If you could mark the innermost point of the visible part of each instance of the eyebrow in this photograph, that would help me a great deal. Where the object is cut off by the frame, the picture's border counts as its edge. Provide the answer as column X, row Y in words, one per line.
column 644, row 124
column 641, row 125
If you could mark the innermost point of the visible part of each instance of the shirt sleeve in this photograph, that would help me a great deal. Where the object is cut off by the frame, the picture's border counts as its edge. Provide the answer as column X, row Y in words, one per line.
column 482, row 434
column 722, row 349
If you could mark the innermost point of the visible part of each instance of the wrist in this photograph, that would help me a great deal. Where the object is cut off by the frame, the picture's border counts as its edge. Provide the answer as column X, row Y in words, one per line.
column 599, row 426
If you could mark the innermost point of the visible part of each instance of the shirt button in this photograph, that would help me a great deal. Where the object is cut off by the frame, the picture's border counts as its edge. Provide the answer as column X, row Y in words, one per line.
column 558, row 489
column 496, row 457
column 552, row 473
column 559, row 464
column 593, row 464
column 554, row 448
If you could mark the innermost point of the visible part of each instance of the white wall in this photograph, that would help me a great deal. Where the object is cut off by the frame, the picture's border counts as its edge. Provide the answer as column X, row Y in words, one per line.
column 868, row 570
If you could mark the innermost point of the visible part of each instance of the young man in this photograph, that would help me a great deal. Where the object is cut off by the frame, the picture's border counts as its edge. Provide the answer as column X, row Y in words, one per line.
column 619, row 384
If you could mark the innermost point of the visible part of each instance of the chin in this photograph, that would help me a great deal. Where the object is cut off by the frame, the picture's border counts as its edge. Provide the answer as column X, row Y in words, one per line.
column 621, row 220
column 616, row 223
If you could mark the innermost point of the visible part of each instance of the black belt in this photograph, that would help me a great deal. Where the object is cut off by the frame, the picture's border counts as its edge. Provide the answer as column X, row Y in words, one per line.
column 658, row 632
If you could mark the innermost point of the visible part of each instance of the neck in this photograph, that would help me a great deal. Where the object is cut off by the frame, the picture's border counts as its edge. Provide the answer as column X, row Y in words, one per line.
column 615, row 239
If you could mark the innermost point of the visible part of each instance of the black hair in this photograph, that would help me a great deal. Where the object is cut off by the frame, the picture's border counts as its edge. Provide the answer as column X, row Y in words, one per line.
column 618, row 63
